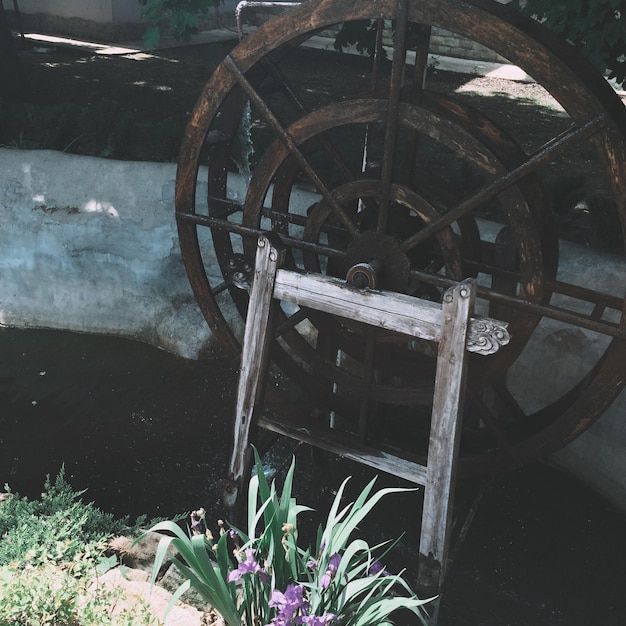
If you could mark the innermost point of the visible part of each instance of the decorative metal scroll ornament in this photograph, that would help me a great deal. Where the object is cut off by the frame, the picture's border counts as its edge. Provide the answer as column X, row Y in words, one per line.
column 486, row 335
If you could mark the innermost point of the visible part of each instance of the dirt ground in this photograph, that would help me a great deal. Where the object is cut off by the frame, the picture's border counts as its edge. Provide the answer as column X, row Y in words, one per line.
column 165, row 84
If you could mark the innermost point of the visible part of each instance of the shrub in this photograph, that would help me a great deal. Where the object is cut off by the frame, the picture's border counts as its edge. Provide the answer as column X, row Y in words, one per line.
column 596, row 27
column 55, row 528
column 52, row 596
column 51, row 551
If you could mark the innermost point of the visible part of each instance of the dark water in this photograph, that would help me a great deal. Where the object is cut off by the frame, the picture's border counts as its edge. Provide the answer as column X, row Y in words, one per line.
column 133, row 424
column 146, row 432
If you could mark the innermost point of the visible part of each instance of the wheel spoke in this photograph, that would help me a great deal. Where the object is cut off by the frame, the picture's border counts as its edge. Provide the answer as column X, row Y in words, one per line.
column 368, row 379
column 288, row 141
column 322, row 140
column 515, row 410
column 293, row 320
column 491, row 421
column 391, row 128
column 223, row 286
column 419, row 82
column 548, row 151
column 254, row 233
column 567, row 316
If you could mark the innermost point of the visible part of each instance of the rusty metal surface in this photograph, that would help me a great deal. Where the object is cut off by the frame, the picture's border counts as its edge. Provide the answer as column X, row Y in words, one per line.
column 379, row 191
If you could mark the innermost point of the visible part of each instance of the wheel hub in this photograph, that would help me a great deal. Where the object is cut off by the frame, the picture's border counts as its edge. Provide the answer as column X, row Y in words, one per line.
column 376, row 261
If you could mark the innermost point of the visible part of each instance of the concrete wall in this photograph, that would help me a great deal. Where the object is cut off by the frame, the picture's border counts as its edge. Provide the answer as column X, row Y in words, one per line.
column 90, row 245
column 125, row 10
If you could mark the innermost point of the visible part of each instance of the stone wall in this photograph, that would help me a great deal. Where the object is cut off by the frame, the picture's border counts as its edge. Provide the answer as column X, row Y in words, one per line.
column 445, row 43
column 442, row 42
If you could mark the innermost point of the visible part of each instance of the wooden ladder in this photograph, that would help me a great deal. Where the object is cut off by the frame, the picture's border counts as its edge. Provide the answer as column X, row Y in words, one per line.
column 450, row 324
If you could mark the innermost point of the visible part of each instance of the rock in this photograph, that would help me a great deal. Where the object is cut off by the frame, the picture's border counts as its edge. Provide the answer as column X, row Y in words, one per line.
column 136, row 554
column 137, row 559
column 156, row 598
column 172, row 579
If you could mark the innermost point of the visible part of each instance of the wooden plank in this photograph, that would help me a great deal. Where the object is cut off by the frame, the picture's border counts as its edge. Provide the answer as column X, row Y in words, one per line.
column 389, row 310
column 384, row 309
column 348, row 447
column 253, row 363
column 445, row 431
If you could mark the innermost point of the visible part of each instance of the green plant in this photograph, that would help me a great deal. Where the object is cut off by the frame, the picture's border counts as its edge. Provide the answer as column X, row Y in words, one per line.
column 358, row 33
column 182, row 16
column 51, row 555
column 55, row 528
column 272, row 580
column 53, row 596
column 596, row 27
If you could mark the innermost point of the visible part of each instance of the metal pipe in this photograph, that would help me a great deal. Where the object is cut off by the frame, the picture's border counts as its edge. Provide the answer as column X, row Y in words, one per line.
column 258, row 3
column 566, row 316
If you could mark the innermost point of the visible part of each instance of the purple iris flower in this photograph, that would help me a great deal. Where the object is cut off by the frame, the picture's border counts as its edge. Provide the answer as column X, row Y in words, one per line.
column 289, row 605
column 249, row 566
column 293, row 608
column 333, row 565
column 290, row 602
column 377, row 567
column 319, row 620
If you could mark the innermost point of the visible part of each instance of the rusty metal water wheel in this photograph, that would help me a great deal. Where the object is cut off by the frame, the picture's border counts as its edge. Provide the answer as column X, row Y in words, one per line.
column 385, row 174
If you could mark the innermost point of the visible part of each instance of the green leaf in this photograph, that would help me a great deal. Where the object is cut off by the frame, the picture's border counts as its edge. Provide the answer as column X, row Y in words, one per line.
column 360, row 509
column 182, row 589
column 159, row 557
column 151, row 37
column 595, row 27
column 378, row 611
column 105, row 564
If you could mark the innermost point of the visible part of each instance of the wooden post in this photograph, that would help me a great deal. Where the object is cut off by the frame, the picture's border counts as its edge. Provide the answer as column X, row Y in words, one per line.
column 253, row 364
column 445, row 429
